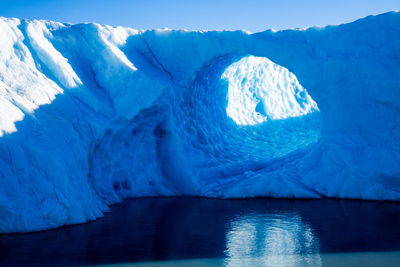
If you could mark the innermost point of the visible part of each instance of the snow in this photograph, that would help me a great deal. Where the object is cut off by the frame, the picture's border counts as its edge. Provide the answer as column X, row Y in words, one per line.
column 92, row 114
column 23, row 88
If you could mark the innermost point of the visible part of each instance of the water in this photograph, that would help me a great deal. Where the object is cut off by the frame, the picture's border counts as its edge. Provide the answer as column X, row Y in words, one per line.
column 210, row 232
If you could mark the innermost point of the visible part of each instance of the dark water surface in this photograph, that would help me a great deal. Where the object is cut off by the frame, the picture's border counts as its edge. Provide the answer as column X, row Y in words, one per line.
column 210, row 232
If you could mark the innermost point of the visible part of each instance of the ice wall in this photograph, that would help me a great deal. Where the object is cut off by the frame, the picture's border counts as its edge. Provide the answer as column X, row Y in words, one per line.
column 91, row 114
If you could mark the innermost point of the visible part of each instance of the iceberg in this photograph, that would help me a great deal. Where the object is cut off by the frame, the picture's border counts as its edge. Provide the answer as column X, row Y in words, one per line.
column 91, row 115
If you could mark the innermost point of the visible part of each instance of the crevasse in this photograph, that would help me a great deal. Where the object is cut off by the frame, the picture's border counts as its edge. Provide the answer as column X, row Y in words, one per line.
column 91, row 114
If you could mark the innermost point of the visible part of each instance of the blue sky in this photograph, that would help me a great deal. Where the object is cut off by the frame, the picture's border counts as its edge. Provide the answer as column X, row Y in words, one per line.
column 252, row 15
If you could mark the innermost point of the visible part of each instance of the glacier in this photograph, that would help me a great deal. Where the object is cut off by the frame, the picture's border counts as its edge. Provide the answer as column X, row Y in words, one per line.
column 92, row 114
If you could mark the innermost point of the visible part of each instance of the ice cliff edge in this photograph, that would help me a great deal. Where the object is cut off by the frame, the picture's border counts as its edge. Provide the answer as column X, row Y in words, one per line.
column 91, row 114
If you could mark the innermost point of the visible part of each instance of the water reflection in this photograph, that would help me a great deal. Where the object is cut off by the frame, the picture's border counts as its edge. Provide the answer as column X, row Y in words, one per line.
column 271, row 240
column 254, row 232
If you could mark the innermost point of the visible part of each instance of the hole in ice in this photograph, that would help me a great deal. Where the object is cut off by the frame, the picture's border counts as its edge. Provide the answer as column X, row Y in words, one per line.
column 251, row 110
column 116, row 186
column 260, row 90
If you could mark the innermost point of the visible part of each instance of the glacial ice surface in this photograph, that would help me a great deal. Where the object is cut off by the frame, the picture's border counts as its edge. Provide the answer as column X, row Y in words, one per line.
column 91, row 114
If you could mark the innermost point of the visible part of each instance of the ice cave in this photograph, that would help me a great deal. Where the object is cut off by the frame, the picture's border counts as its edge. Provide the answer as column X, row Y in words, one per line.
column 91, row 115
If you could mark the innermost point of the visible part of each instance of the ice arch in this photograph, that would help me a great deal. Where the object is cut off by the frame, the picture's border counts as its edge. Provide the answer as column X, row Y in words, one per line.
column 221, row 154
column 133, row 114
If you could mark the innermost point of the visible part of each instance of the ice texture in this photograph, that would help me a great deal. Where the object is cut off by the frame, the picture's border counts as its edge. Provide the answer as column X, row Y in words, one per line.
column 92, row 114
column 260, row 90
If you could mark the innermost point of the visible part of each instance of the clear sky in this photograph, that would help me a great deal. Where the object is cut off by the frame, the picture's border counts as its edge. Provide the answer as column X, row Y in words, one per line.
column 251, row 15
